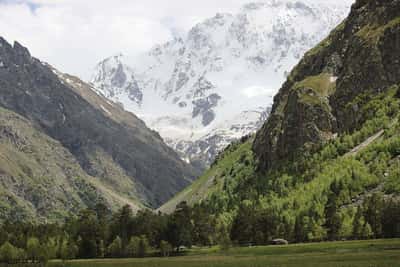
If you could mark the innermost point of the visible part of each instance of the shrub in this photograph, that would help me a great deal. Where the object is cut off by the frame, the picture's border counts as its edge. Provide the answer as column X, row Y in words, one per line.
column 115, row 248
column 165, row 248
column 8, row 253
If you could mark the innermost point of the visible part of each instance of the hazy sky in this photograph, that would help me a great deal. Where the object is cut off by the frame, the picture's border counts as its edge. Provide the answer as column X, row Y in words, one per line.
column 73, row 35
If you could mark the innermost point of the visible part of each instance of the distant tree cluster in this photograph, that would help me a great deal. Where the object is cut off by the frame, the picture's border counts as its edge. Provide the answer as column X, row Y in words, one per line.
column 376, row 218
column 20, row 243
column 98, row 233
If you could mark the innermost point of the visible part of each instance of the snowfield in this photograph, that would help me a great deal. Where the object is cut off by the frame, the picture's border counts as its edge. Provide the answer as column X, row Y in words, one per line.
column 204, row 90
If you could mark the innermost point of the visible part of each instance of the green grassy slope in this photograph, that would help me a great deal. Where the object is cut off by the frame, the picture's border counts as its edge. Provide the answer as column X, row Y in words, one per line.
column 40, row 179
column 382, row 253
column 213, row 180
column 364, row 162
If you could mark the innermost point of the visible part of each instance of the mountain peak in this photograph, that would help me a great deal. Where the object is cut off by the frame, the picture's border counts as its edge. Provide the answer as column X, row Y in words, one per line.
column 113, row 76
column 113, row 60
column 226, row 65
column 3, row 42
column 274, row 4
column 20, row 49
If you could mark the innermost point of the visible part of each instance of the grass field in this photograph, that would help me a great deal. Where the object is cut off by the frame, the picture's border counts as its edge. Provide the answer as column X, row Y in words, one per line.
column 374, row 253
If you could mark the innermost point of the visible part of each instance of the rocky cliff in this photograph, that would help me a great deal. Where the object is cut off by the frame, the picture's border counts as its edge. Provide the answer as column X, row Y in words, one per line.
column 325, row 93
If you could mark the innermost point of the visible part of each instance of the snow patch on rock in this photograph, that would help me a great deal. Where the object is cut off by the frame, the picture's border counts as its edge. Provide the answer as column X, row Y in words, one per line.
column 215, row 84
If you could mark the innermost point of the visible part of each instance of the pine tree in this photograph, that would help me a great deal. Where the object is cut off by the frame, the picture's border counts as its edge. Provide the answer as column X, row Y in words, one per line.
column 358, row 224
column 88, row 231
column 124, row 220
column 300, row 234
column 333, row 221
column 243, row 230
column 373, row 214
column 391, row 219
column 180, row 227
column 143, row 246
column 203, row 226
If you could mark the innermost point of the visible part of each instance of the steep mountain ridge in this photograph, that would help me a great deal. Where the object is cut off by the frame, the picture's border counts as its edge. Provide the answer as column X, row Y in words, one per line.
column 195, row 89
column 318, row 101
column 109, row 144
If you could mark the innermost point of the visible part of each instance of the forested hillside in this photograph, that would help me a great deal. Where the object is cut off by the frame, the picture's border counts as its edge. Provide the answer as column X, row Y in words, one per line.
column 326, row 165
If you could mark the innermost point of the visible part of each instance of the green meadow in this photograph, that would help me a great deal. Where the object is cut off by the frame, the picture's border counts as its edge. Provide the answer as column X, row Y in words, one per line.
column 372, row 253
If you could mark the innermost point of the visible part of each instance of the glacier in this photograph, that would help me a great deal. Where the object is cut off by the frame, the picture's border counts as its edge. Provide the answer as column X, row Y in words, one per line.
column 216, row 84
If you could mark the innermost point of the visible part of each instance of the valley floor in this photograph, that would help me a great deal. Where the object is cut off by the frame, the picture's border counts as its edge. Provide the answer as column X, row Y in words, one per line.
column 371, row 253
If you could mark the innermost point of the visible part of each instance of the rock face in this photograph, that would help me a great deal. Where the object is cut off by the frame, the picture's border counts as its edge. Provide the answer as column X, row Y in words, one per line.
column 202, row 152
column 224, row 68
column 117, row 79
column 361, row 57
column 109, row 144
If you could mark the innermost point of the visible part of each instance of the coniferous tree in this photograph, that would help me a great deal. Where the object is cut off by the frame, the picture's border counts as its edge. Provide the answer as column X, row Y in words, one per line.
column 143, row 246
column 123, row 222
column 358, row 224
column 203, row 226
column 333, row 221
column 88, row 232
column 180, row 227
column 373, row 214
column 391, row 219
column 243, row 225
column 103, row 215
column 300, row 234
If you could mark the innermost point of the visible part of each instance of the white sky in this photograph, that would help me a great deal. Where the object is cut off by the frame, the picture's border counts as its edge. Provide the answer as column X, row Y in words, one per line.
column 73, row 35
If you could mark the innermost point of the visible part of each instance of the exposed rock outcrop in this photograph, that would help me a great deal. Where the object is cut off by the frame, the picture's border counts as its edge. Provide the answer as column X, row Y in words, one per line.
column 361, row 57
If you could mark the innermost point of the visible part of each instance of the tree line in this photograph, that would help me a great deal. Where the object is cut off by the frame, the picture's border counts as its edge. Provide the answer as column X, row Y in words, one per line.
column 99, row 233
column 377, row 217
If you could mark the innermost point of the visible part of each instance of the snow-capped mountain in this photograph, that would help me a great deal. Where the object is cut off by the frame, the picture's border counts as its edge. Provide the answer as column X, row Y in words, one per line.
column 202, row 91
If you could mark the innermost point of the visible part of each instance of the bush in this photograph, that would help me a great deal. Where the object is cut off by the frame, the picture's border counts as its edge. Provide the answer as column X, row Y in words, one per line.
column 33, row 249
column 68, row 250
column 115, row 248
column 8, row 253
column 165, row 248
column 133, row 247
